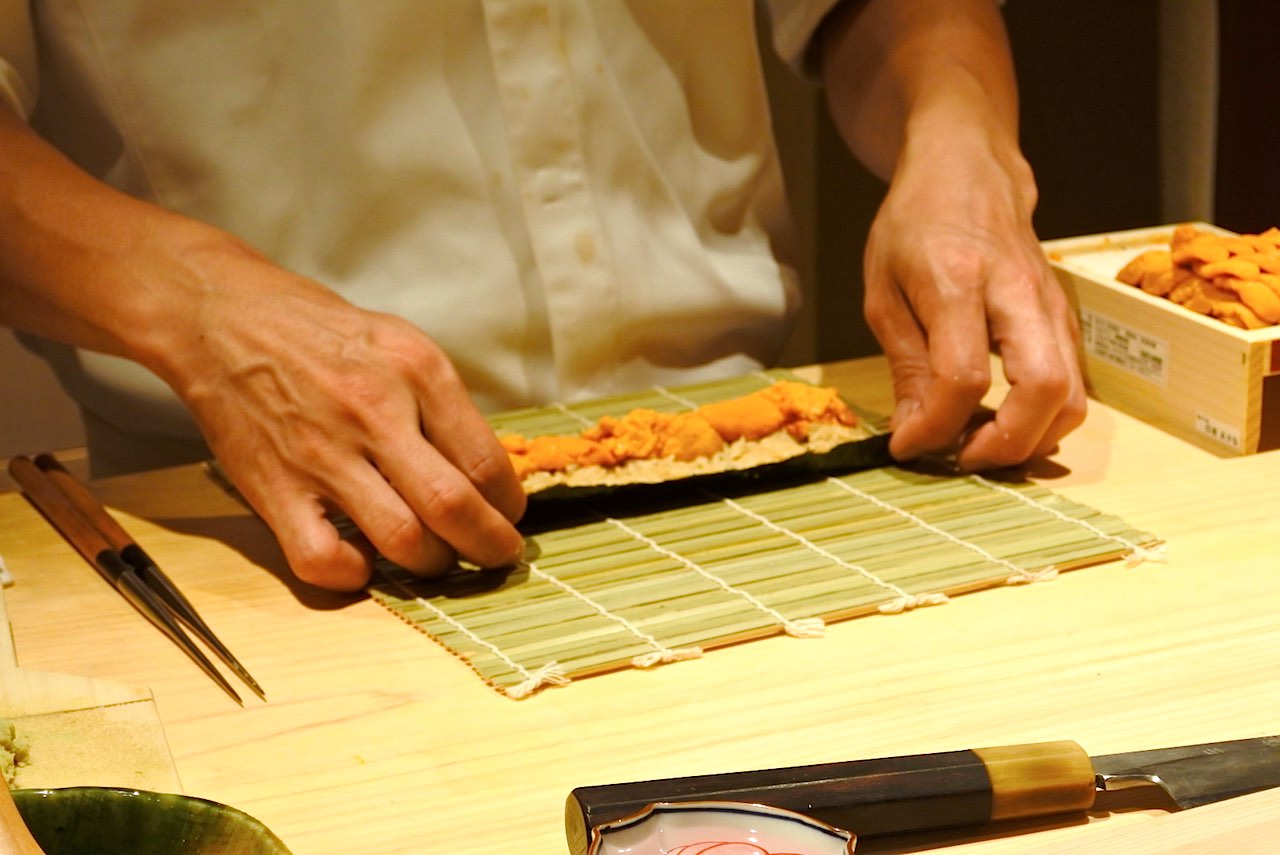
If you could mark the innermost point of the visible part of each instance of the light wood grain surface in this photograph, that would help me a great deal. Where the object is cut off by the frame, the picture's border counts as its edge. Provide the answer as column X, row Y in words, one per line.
column 376, row 740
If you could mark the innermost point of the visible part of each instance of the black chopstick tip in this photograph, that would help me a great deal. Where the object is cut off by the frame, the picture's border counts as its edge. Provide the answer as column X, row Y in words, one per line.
column 251, row 683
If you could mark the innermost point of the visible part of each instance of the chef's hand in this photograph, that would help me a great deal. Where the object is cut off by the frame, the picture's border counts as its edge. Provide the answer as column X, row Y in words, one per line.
column 313, row 405
column 924, row 93
column 952, row 269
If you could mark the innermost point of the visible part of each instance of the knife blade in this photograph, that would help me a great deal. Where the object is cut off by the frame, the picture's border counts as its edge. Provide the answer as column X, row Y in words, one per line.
column 1195, row 775
column 950, row 789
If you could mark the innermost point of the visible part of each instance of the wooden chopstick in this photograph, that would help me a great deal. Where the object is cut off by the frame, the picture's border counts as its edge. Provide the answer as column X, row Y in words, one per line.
column 76, row 515
column 137, row 557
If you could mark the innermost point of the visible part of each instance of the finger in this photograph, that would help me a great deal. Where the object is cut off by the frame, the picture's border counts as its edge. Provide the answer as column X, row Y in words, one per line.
column 468, row 442
column 394, row 530
column 452, row 424
column 941, row 372
column 432, row 505
column 1018, row 430
column 312, row 546
column 896, row 329
column 1035, row 412
column 1076, row 406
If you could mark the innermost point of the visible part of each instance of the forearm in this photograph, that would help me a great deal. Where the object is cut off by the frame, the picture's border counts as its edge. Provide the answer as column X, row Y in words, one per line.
column 85, row 264
column 903, row 74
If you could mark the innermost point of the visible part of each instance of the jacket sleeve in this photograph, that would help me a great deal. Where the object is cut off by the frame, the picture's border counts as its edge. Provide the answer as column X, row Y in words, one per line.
column 794, row 24
column 18, row 82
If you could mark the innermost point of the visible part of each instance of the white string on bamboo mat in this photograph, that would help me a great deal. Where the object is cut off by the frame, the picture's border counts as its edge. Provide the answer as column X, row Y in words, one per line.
column 679, row 399
column 660, row 390
column 813, row 627
column 764, row 376
column 905, row 599
column 661, row 653
column 550, row 674
column 1020, row 574
column 1137, row 553
column 574, row 414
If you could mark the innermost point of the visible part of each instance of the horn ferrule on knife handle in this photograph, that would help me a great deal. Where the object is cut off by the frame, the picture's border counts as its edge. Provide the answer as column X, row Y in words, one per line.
column 873, row 797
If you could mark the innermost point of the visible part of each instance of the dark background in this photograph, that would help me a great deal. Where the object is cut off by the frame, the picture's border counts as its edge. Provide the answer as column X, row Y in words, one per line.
column 1248, row 178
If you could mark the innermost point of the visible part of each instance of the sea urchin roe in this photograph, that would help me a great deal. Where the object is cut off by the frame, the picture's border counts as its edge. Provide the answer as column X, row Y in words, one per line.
column 802, row 405
column 646, row 434
column 753, row 416
column 1229, row 277
column 558, row 452
column 638, row 434
column 690, row 436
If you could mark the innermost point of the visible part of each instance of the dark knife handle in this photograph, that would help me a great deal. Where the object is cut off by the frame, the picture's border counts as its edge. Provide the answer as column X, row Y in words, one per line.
column 872, row 797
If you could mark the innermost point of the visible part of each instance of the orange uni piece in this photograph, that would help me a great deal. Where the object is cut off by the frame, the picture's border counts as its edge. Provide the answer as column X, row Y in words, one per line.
column 690, row 436
column 638, row 434
column 802, row 402
column 750, row 417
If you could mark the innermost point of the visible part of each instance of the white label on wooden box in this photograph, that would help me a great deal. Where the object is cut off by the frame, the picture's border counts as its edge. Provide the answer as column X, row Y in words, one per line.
column 1216, row 430
column 1125, row 347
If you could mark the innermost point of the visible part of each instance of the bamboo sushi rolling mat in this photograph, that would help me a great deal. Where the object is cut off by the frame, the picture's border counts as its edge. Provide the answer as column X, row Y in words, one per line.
column 612, row 582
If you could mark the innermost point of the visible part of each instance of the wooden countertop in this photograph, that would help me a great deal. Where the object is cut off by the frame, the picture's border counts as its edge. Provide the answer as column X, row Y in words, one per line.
column 376, row 740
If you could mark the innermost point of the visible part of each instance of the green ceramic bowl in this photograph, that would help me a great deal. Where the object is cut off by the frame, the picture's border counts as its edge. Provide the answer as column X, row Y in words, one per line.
column 109, row 821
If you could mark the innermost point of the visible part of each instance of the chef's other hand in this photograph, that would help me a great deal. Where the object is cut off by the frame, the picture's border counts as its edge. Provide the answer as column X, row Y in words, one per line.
column 924, row 93
column 953, row 269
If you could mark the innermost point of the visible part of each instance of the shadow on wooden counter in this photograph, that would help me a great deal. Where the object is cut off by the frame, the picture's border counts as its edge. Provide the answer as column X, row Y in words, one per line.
column 1144, row 800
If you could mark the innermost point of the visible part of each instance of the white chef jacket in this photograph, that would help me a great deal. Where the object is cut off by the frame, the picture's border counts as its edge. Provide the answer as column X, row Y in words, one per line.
column 572, row 197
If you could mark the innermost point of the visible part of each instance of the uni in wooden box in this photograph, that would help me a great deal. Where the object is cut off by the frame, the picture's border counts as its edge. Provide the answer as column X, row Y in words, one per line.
column 1194, row 376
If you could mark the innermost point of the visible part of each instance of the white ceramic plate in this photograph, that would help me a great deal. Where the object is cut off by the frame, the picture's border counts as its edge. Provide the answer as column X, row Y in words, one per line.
column 718, row 828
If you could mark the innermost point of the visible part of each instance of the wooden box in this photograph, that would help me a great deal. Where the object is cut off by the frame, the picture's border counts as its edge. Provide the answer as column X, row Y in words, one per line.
column 1196, row 377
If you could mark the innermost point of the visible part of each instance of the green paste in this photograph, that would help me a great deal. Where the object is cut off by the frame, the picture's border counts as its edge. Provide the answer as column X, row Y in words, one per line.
column 14, row 752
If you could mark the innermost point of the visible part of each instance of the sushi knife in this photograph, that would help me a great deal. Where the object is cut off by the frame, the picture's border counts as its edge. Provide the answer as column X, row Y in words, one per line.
column 950, row 789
